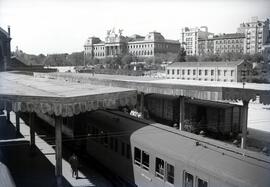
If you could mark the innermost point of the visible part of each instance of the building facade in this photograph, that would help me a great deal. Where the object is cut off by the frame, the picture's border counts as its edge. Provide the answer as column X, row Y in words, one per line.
column 189, row 38
column 140, row 46
column 235, row 71
column 226, row 43
column 4, row 49
column 256, row 33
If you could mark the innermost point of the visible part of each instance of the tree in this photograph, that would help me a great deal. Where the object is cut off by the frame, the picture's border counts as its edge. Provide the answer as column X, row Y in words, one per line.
column 181, row 56
column 192, row 58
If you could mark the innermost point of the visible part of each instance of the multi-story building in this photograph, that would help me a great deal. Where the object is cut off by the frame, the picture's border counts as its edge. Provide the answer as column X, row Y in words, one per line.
column 116, row 44
column 234, row 71
column 189, row 38
column 225, row 43
column 256, row 33
column 4, row 49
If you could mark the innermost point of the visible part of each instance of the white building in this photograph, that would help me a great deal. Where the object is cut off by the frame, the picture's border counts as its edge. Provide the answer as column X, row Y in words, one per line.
column 256, row 33
column 189, row 38
column 231, row 71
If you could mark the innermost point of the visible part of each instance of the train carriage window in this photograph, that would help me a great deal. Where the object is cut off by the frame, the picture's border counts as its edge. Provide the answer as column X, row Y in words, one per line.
column 137, row 156
column 123, row 149
column 159, row 168
column 111, row 142
column 145, row 160
column 115, row 145
column 170, row 173
column 188, row 180
column 106, row 139
column 128, row 151
column 201, row 183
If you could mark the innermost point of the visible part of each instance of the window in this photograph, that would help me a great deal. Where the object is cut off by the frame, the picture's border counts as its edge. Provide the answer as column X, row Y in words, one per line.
column 173, row 72
column 212, row 72
column 194, row 72
column 168, row 71
column 123, row 149
column 200, row 72
column 188, row 180
column 219, row 72
column 159, row 168
column 111, row 142
column 188, row 71
column 201, row 183
column 137, row 156
column 205, row 72
column 128, row 151
column 145, row 160
column 225, row 72
column 232, row 72
column 170, row 173
column 115, row 145
column 183, row 72
column 178, row 71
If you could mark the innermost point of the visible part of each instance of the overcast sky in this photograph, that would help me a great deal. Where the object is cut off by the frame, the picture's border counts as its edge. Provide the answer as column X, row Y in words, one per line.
column 62, row 26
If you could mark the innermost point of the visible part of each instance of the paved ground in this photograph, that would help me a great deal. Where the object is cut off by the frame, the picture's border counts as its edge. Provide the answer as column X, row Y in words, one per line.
column 32, row 168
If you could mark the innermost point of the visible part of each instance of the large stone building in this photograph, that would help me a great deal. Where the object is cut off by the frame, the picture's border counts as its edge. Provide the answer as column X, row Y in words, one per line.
column 256, row 33
column 189, row 38
column 224, row 43
column 140, row 46
column 234, row 71
column 4, row 48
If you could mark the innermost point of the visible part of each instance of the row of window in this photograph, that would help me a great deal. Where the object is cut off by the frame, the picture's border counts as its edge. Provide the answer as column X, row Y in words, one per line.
column 205, row 79
column 194, row 71
column 140, row 46
column 111, row 142
column 141, row 52
column 229, row 41
column 164, row 170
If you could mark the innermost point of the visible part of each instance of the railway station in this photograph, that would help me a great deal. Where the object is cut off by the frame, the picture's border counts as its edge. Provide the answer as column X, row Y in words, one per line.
column 65, row 102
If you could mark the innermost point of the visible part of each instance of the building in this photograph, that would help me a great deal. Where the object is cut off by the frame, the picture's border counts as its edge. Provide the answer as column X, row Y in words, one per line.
column 266, row 50
column 140, row 46
column 189, row 38
column 232, row 71
column 229, row 43
column 4, row 48
column 256, row 33
column 225, row 43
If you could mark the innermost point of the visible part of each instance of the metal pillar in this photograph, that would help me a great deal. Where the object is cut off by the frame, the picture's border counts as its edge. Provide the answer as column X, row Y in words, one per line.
column 142, row 104
column 58, row 149
column 8, row 115
column 181, row 112
column 244, row 124
column 17, row 123
column 31, row 126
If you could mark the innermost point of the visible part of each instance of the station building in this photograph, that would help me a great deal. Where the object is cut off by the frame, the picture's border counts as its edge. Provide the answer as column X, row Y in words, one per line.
column 232, row 71
column 140, row 46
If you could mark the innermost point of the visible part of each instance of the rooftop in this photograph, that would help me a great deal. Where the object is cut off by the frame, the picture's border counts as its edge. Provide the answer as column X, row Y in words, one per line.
column 206, row 64
column 26, row 93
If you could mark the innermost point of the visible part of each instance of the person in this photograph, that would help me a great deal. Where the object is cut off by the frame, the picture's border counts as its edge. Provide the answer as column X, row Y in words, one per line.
column 74, row 163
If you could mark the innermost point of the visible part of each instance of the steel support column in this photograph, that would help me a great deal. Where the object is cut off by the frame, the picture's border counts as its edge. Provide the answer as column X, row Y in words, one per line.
column 58, row 149
column 17, row 123
column 32, row 131
column 142, row 104
column 181, row 112
column 8, row 115
column 244, row 124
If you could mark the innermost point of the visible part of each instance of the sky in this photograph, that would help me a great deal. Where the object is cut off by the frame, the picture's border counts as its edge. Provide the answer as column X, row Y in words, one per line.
column 62, row 26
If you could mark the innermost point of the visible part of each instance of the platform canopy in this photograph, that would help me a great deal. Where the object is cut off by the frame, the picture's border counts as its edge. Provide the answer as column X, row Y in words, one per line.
column 60, row 98
column 204, row 90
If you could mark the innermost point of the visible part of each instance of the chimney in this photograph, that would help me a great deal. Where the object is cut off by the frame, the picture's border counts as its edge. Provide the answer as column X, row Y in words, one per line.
column 9, row 30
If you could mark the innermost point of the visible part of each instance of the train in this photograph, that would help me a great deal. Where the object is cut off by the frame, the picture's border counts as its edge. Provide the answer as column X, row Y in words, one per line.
column 147, row 154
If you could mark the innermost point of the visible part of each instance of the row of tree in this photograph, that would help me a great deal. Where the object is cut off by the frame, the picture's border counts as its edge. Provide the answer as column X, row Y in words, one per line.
column 124, row 61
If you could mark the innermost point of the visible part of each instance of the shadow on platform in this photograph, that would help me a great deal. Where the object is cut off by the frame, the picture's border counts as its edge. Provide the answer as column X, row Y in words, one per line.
column 7, row 130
